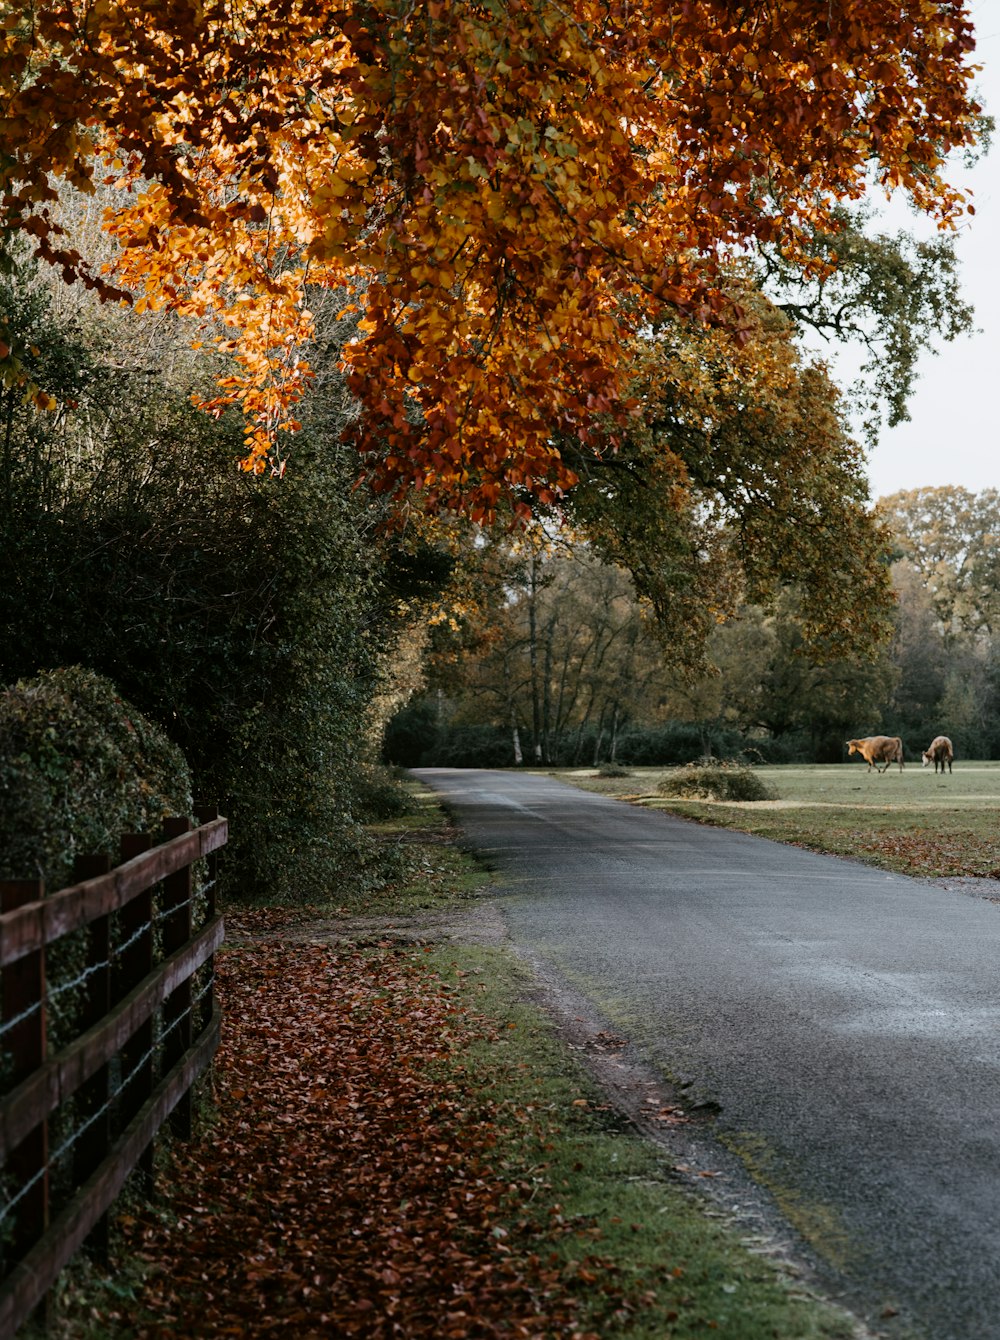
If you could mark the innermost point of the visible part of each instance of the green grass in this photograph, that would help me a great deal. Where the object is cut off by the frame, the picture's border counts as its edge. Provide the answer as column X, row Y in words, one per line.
column 913, row 822
column 666, row 1267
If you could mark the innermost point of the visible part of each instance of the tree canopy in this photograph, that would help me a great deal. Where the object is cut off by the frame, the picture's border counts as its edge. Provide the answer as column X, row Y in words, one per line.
column 951, row 536
column 505, row 195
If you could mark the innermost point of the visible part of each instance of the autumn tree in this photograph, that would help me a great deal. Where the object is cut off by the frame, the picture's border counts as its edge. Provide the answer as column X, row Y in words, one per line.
column 506, row 194
column 951, row 536
column 737, row 479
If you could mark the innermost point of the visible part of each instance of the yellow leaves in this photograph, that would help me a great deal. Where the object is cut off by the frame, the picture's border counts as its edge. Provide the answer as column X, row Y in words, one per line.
column 522, row 192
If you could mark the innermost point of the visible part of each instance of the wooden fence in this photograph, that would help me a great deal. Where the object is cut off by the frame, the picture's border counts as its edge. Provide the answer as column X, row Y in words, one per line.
column 129, row 1004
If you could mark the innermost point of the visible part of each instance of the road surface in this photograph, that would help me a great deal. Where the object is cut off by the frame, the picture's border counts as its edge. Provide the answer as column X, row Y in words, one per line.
column 845, row 1021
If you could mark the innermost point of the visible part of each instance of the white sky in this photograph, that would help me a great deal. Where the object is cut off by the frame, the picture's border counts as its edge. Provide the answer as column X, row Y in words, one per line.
column 953, row 436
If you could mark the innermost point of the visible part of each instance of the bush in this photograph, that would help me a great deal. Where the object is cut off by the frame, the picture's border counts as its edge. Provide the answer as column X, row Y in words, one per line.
column 379, row 794
column 79, row 767
column 613, row 770
column 716, row 779
column 473, row 747
column 250, row 618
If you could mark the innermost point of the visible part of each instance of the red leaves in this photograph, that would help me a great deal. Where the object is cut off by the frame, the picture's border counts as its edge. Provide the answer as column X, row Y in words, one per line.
column 344, row 1189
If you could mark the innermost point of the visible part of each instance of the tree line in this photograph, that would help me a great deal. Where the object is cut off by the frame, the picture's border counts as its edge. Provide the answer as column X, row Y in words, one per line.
column 569, row 668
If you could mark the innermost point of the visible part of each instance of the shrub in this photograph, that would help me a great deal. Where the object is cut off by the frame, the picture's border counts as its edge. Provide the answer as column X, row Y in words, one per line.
column 716, row 779
column 379, row 795
column 473, row 747
column 250, row 618
column 613, row 770
column 79, row 766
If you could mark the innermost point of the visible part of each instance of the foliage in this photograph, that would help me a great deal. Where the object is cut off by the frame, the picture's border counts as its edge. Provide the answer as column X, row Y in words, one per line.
column 951, row 537
column 248, row 618
column 716, row 779
column 737, row 481
column 507, row 194
column 79, row 767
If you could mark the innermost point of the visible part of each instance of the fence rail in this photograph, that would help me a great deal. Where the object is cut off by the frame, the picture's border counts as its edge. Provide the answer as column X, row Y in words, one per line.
column 131, row 1007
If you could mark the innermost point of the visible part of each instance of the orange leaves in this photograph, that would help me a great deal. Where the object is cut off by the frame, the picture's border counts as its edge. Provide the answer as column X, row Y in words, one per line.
column 517, row 188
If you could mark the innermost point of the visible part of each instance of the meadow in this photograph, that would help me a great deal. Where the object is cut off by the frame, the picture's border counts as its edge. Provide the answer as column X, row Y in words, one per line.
column 916, row 822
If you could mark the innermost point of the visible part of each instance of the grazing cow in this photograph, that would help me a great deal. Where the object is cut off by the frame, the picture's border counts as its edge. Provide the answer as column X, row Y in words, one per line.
column 876, row 749
column 938, row 751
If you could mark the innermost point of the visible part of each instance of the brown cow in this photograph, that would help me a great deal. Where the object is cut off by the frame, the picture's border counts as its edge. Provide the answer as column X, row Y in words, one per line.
column 938, row 751
column 876, row 749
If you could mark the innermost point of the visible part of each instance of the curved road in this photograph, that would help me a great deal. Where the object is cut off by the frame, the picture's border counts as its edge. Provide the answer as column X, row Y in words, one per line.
column 845, row 1021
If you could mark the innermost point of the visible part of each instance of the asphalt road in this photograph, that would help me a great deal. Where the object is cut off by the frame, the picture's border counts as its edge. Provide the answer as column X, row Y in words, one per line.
column 845, row 1021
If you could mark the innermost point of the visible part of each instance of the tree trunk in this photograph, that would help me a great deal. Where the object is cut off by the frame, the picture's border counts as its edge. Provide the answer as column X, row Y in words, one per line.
column 536, row 705
column 614, row 736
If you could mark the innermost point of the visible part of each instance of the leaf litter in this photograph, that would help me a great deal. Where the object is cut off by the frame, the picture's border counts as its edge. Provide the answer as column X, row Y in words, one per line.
column 345, row 1186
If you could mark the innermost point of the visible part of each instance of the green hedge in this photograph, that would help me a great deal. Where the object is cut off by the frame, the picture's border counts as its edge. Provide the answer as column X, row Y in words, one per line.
column 79, row 767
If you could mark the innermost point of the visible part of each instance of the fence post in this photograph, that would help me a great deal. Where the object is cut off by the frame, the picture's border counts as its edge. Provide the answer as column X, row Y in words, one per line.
column 205, row 815
column 23, row 999
column 176, row 909
column 95, row 1095
column 134, row 962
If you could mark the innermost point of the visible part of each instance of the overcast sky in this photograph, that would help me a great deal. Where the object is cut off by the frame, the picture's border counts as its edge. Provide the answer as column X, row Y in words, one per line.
column 953, row 436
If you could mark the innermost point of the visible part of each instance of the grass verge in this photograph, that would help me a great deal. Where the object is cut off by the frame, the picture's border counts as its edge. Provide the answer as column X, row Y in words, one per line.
column 645, row 1257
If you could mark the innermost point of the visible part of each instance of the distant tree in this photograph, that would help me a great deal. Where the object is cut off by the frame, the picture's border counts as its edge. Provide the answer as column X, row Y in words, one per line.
column 920, row 653
column 952, row 538
column 566, row 659
column 825, row 701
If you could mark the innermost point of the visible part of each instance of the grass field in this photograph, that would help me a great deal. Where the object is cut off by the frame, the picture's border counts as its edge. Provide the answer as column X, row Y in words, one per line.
column 915, row 822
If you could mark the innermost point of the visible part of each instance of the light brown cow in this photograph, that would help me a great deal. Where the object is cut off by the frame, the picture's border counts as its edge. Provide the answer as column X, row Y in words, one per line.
column 938, row 751
column 876, row 749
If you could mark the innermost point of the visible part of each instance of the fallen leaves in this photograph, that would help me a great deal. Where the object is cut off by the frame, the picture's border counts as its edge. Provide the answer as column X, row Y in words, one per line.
column 931, row 854
column 345, row 1188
